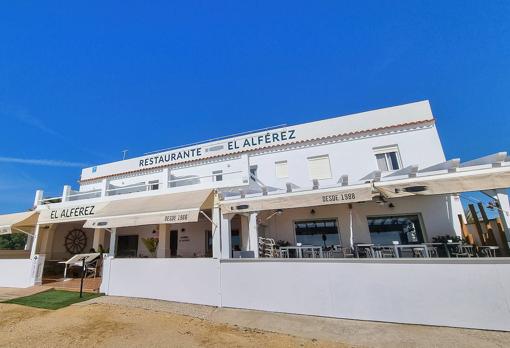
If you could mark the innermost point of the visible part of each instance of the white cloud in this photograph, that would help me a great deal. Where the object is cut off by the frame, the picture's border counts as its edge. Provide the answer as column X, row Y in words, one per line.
column 25, row 117
column 42, row 162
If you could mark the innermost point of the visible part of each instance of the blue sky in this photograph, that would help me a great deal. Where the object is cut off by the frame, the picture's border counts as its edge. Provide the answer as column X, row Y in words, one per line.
column 81, row 81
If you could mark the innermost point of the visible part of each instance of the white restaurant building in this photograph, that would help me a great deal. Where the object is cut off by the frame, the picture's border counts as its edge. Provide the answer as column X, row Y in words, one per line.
column 376, row 177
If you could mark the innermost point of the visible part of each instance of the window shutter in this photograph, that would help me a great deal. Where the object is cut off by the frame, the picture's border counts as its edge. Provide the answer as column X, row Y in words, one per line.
column 282, row 169
column 319, row 167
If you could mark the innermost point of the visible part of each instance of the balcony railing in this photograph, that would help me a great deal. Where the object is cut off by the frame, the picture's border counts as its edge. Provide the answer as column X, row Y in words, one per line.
column 211, row 180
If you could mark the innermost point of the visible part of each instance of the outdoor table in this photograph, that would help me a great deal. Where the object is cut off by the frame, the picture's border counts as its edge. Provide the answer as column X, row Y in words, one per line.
column 396, row 247
column 363, row 245
column 299, row 250
column 437, row 245
column 450, row 244
column 467, row 247
column 470, row 249
column 489, row 250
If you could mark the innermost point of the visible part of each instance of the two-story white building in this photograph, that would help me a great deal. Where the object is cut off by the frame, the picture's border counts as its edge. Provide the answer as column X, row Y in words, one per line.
column 374, row 178
column 291, row 162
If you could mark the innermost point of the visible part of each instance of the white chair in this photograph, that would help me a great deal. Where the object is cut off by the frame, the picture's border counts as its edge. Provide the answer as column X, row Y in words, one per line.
column 92, row 269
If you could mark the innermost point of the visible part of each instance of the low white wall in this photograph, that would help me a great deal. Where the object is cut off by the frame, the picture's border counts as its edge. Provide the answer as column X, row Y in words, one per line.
column 470, row 293
column 16, row 273
column 180, row 280
column 467, row 294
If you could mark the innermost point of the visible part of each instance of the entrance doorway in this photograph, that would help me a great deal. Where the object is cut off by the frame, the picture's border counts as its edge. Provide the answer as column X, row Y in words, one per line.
column 208, row 243
column 174, row 240
column 127, row 246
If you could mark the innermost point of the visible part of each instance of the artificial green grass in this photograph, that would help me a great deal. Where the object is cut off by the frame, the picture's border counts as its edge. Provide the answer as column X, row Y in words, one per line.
column 52, row 299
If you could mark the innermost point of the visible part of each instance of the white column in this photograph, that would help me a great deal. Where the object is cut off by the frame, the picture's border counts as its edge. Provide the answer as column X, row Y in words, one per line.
column 455, row 209
column 30, row 241
column 165, row 176
column 99, row 234
column 504, row 213
column 226, row 234
column 253, row 233
column 216, row 234
column 245, row 233
column 113, row 241
column 66, row 192
column 104, row 187
column 164, row 241
column 34, row 243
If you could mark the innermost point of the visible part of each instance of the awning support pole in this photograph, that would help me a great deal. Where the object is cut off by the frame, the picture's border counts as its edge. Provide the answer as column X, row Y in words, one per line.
column 25, row 232
column 208, row 218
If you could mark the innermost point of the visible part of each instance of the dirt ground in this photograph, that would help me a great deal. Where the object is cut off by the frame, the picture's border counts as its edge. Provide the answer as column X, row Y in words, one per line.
column 94, row 325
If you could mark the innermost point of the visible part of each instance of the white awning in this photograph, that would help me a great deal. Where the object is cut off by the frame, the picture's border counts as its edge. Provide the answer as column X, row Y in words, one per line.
column 69, row 211
column 18, row 222
column 446, row 183
column 170, row 208
column 337, row 195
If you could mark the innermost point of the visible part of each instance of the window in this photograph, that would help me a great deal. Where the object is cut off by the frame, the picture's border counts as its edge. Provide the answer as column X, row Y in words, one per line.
column 217, row 175
column 253, row 172
column 282, row 170
column 388, row 158
column 127, row 246
column 153, row 185
column 405, row 229
column 208, row 243
column 235, row 240
column 319, row 168
column 318, row 232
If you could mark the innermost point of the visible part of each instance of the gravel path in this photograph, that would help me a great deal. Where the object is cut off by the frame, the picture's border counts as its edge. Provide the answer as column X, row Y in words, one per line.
column 350, row 332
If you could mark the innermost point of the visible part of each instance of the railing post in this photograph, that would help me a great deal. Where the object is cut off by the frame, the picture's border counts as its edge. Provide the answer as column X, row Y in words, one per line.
column 38, row 197
column 104, row 188
column 504, row 212
column 165, row 178
column 66, row 192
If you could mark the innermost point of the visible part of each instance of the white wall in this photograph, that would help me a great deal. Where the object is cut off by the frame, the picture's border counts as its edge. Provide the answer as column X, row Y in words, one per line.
column 352, row 157
column 16, row 273
column 181, row 280
column 235, row 169
column 433, row 210
column 469, row 294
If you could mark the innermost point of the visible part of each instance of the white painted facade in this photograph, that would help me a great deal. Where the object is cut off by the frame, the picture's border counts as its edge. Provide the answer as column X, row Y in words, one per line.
column 345, row 153
column 349, row 145
column 269, row 162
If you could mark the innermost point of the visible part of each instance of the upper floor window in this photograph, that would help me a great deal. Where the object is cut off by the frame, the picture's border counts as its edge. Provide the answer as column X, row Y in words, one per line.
column 253, row 171
column 281, row 169
column 319, row 167
column 217, row 175
column 388, row 158
column 153, row 185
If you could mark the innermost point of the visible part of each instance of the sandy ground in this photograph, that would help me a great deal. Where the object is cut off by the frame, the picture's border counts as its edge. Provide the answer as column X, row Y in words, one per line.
column 107, row 325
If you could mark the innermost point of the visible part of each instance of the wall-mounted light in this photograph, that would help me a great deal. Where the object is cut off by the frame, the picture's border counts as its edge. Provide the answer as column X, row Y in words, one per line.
column 276, row 212
column 312, row 211
column 413, row 189
column 381, row 200
column 391, row 205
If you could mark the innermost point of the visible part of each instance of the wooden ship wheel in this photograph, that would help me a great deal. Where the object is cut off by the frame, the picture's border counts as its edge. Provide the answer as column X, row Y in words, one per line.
column 75, row 241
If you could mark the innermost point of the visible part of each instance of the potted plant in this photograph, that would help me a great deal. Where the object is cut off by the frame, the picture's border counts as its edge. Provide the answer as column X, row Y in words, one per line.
column 151, row 244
